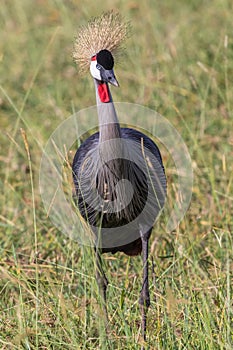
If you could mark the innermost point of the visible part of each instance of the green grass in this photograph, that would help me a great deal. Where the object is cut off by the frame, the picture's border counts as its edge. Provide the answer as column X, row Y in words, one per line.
column 179, row 61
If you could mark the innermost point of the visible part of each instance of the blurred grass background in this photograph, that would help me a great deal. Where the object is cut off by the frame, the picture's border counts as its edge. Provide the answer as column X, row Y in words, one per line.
column 178, row 61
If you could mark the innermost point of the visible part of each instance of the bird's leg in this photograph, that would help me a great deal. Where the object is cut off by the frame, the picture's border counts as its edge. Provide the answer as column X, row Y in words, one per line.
column 102, row 283
column 144, row 300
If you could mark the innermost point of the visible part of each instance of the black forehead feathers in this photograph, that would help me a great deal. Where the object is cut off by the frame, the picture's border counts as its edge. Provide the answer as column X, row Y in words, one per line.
column 105, row 59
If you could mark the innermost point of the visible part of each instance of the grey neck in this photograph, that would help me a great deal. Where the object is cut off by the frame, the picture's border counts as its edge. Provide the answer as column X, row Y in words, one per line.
column 109, row 127
column 110, row 150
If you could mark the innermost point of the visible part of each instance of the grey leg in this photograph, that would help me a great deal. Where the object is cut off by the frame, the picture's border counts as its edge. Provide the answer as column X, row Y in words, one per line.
column 144, row 299
column 102, row 283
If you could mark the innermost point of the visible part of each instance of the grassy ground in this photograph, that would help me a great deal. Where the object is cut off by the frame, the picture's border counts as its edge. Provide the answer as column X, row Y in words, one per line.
column 178, row 61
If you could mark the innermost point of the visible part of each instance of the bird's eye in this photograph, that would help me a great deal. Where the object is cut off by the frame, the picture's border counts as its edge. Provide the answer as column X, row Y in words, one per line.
column 98, row 66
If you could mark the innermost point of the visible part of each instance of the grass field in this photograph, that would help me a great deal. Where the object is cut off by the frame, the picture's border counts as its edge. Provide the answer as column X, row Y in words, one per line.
column 178, row 61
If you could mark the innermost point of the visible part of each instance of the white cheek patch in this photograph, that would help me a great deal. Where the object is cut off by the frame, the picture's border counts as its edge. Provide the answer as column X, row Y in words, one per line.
column 94, row 71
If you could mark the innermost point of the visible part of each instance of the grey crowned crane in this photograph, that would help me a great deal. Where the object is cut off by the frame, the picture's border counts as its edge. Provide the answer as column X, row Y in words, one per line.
column 118, row 172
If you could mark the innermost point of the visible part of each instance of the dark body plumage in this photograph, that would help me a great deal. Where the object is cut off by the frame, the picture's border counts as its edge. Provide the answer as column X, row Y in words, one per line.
column 134, row 247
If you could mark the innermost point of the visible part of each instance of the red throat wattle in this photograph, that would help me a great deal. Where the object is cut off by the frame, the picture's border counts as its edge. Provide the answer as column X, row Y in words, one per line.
column 103, row 92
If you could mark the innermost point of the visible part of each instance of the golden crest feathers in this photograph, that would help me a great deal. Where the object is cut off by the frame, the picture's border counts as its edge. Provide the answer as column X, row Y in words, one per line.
column 105, row 32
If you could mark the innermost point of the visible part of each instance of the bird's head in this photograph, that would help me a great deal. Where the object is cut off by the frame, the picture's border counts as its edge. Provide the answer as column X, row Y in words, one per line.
column 97, row 43
column 101, row 67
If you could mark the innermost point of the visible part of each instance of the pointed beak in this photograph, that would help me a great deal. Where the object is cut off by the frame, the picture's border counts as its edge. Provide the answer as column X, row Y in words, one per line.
column 109, row 77
column 114, row 82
